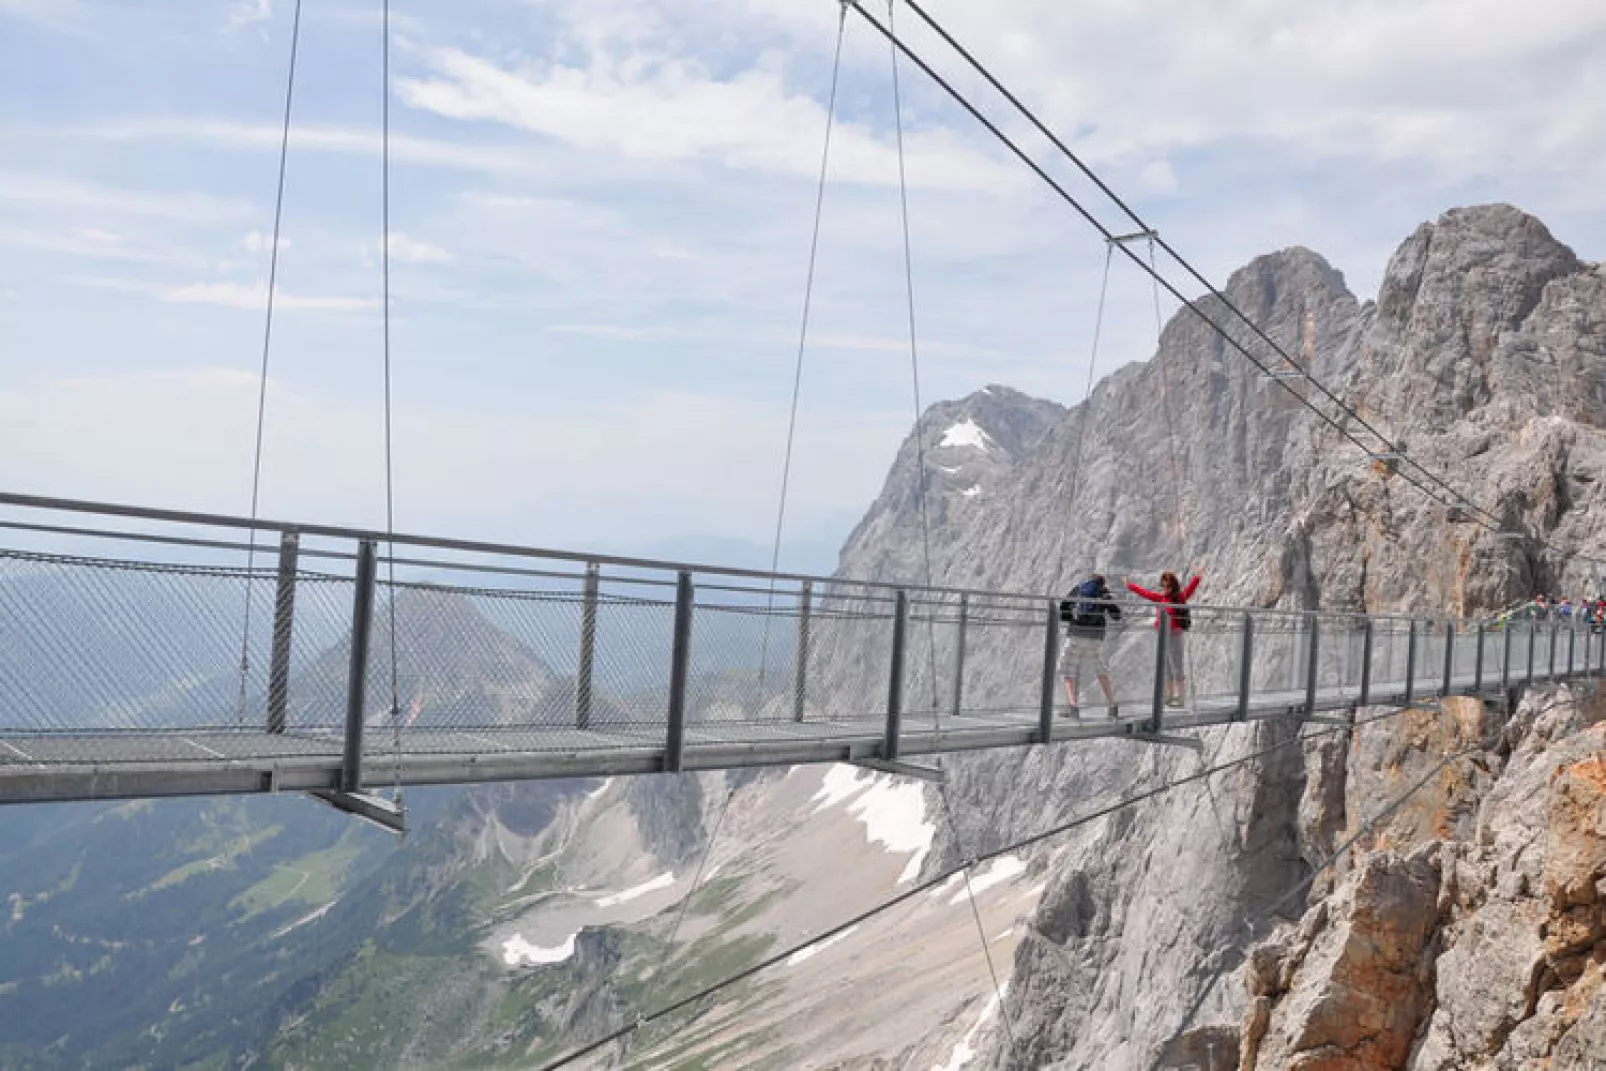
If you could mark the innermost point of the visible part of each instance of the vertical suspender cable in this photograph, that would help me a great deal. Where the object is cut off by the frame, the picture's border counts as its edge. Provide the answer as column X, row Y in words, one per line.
column 925, row 527
column 914, row 370
column 267, row 344
column 1169, row 413
column 1087, row 393
column 802, row 342
column 390, row 483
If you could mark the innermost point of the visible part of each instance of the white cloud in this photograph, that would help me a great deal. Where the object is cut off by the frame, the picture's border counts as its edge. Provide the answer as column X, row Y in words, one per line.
column 660, row 109
column 244, row 13
column 413, row 251
column 56, row 191
column 322, row 137
column 258, row 242
column 231, row 295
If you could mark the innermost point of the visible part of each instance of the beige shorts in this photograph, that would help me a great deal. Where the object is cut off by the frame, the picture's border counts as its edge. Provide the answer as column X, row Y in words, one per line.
column 1082, row 657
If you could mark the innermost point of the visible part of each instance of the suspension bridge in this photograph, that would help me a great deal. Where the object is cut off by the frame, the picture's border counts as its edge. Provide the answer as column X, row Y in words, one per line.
column 150, row 652
column 122, row 672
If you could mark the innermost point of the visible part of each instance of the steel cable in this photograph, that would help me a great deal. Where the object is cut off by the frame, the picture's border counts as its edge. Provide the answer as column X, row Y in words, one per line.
column 1194, row 306
column 267, row 345
column 802, row 337
column 947, row 875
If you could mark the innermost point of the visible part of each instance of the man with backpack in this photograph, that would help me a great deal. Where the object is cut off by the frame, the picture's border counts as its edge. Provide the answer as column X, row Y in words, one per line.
column 1086, row 612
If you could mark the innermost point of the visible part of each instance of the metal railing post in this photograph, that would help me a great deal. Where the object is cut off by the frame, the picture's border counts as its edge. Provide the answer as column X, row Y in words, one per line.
column 1477, row 663
column 800, row 677
column 1312, row 653
column 1550, row 665
column 1366, row 662
column 1533, row 642
column 1505, row 658
column 1045, row 709
column 959, row 654
column 1449, row 658
column 586, row 666
column 1246, row 655
column 284, row 612
column 1572, row 643
column 362, row 620
column 900, row 629
column 1410, row 661
column 1162, row 637
column 679, row 667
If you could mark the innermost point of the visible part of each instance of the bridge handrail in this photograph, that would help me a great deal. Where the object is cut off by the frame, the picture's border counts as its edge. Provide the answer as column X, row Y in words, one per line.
column 514, row 550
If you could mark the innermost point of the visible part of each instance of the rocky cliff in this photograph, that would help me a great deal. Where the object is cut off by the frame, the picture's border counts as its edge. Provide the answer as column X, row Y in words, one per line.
column 1485, row 353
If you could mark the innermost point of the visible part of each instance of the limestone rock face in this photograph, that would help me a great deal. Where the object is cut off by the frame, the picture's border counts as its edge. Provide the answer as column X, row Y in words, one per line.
column 1348, row 990
column 1485, row 354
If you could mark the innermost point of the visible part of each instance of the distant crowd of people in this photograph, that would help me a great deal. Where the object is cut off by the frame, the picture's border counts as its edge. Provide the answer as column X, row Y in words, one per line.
column 1087, row 612
column 1591, row 612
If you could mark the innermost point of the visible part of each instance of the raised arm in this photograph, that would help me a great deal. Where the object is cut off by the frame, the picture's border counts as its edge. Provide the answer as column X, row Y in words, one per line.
column 1144, row 593
column 1193, row 586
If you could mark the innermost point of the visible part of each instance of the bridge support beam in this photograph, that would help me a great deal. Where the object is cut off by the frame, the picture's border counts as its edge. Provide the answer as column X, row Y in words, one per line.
column 959, row 654
column 362, row 621
column 679, row 668
column 904, row 769
column 900, row 636
column 1312, row 665
column 1410, row 662
column 1161, row 636
column 1449, row 659
column 386, row 814
column 1246, row 668
column 585, row 666
column 1533, row 642
column 1505, row 657
column 1048, row 685
column 1366, row 664
column 800, row 674
column 284, row 611
column 1477, row 665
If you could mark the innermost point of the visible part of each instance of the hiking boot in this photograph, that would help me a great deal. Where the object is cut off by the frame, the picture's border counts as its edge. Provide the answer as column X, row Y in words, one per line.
column 1173, row 702
column 1114, row 710
column 1072, row 711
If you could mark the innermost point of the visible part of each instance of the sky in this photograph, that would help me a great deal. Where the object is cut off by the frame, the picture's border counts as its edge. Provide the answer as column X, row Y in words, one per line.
column 600, row 226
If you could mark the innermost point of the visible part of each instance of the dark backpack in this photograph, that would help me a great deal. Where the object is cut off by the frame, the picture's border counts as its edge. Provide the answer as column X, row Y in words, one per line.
column 1181, row 617
column 1088, row 612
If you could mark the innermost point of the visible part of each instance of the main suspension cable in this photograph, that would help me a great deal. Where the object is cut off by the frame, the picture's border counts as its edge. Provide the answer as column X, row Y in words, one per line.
column 267, row 346
column 1232, row 307
column 1093, row 221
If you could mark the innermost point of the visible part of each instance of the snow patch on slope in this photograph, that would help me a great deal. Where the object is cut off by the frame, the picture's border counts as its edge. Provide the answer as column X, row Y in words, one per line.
column 810, row 951
column 662, row 881
column 893, row 813
column 516, row 950
column 966, row 433
column 997, row 872
column 965, row 1051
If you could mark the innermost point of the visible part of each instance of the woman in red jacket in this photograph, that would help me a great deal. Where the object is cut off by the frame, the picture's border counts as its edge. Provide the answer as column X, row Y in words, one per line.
column 1174, row 597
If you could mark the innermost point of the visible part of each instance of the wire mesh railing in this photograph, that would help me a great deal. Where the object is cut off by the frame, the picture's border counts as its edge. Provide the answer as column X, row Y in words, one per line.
column 108, row 639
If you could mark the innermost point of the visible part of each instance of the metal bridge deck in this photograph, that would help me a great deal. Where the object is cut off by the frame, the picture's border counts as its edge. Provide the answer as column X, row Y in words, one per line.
column 118, row 765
